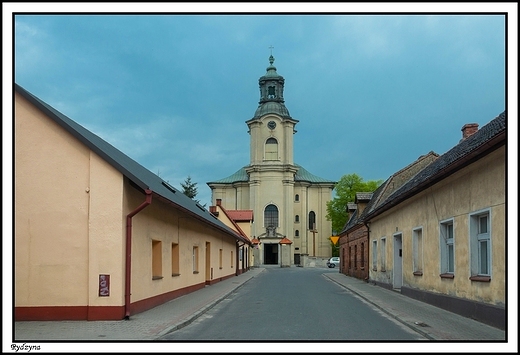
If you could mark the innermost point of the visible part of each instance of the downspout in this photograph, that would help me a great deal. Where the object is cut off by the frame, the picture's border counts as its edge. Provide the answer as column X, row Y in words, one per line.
column 367, row 278
column 129, row 249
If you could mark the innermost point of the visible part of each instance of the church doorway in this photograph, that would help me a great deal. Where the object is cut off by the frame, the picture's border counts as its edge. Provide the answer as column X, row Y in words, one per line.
column 271, row 254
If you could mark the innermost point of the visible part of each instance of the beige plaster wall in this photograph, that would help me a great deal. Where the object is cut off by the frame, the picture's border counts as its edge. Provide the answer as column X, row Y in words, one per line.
column 51, row 205
column 479, row 186
column 162, row 222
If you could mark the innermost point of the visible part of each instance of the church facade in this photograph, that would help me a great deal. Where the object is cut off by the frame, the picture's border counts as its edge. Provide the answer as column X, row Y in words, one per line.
column 289, row 203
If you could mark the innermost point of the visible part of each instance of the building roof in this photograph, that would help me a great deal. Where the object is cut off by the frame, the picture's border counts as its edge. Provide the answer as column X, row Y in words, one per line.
column 136, row 173
column 469, row 150
column 240, row 215
column 301, row 175
column 431, row 168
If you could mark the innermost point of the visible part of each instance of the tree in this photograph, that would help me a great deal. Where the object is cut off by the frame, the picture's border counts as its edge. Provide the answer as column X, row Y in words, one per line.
column 189, row 188
column 345, row 192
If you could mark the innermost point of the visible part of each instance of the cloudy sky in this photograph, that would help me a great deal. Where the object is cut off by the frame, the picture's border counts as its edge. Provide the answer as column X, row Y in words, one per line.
column 371, row 92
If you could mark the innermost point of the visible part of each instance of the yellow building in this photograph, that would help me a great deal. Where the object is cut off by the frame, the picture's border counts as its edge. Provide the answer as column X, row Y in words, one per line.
column 441, row 236
column 97, row 236
column 289, row 203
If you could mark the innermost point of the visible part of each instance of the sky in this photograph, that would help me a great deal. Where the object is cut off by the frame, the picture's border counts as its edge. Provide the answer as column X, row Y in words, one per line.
column 372, row 93
column 172, row 87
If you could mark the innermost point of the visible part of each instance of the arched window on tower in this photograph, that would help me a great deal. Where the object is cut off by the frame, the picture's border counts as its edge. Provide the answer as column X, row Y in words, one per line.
column 271, row 216
column 297, row 198
column 271, row 149
column 297, row 233
column 312, row 220
column 271, row 92
column 297, row 219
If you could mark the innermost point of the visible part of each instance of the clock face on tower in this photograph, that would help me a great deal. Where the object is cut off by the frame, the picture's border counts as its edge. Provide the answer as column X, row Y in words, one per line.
column 271, row 125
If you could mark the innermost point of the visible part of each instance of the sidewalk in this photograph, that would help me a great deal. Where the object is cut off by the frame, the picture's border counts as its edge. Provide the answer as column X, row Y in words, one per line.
column 431, row 322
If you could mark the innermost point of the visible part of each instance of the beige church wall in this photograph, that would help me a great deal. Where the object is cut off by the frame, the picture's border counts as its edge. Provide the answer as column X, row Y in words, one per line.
column 242, row 196
column 51, row 207
column 282, row 133
column 477, row 187
column 234, row 197
column 316, row 201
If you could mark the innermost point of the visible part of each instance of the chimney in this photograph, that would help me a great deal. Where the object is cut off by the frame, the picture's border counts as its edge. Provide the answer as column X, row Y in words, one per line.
column 468, row 129
column 213, row 210
column 219, row 202
column 362, row 199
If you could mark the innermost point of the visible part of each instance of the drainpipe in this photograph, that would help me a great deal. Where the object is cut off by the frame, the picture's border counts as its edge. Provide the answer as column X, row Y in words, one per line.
column 367, row 278
column 129, row 249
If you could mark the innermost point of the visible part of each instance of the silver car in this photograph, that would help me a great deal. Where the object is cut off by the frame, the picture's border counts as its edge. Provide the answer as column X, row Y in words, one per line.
column 333, row 262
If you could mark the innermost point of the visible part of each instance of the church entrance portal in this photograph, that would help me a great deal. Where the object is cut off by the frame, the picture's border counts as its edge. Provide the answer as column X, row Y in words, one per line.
column 271, row 254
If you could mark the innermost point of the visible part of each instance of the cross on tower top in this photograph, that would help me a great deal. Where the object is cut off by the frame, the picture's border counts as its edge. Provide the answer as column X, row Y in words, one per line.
column 271, row 48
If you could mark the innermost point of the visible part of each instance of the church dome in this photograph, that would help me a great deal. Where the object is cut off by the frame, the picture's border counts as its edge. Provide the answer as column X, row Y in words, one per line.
column 277, row 108
column 271, row 93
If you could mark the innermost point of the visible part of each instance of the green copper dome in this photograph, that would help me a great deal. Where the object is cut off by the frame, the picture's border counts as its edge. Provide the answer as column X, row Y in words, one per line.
column 271, row 93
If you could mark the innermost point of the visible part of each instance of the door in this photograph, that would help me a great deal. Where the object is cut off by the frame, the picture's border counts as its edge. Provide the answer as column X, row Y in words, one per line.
column 398, row 262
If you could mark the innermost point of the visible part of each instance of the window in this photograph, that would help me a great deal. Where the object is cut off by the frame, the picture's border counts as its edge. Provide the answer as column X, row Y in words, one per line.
column 175, row 259
column 362, row 255
column 374, row 255
column 350, row 257
column 271, row 149
column 296, row 197
column 156, row 259
column 232, row 259
column 312, row 220
column 271, row 92
column 355, row 256
column 297, row 219
column 195, row 259
column 417, row 247
column 383, row 254
column 271, row 216
column 447, row 242
column 220, row 258
column 297, row 233
column 480, row 246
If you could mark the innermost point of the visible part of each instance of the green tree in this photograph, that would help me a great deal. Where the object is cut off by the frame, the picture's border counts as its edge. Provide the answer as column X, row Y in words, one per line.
column 345, row 192
column 189, row 188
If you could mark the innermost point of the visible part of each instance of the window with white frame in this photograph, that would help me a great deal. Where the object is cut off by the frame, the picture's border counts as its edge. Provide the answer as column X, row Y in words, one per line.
column 374, row 255
column 417, row 245
column 480, row 244
column 447, row 245
column 383, row 254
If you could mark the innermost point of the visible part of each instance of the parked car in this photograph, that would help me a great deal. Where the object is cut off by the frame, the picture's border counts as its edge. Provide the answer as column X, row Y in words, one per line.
column 333, row 262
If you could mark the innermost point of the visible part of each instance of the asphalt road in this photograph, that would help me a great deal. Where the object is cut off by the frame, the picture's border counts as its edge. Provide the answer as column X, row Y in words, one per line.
column 295, row 304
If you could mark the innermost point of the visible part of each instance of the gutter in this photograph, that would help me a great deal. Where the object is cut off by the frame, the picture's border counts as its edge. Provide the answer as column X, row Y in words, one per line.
column 128, row 263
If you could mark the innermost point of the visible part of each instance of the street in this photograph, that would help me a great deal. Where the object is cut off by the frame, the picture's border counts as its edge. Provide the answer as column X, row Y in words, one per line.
column 293, row 304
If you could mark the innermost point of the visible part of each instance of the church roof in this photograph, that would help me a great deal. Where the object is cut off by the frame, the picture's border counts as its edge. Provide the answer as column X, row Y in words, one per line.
column 240, row 175
column 304, row 175
column 301, row 175
column 277, row 108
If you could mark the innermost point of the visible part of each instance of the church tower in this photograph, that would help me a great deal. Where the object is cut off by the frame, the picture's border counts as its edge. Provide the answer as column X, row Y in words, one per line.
column 288, row 203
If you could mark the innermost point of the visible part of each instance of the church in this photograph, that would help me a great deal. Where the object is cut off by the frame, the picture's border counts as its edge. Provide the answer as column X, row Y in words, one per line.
column 289, row 204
